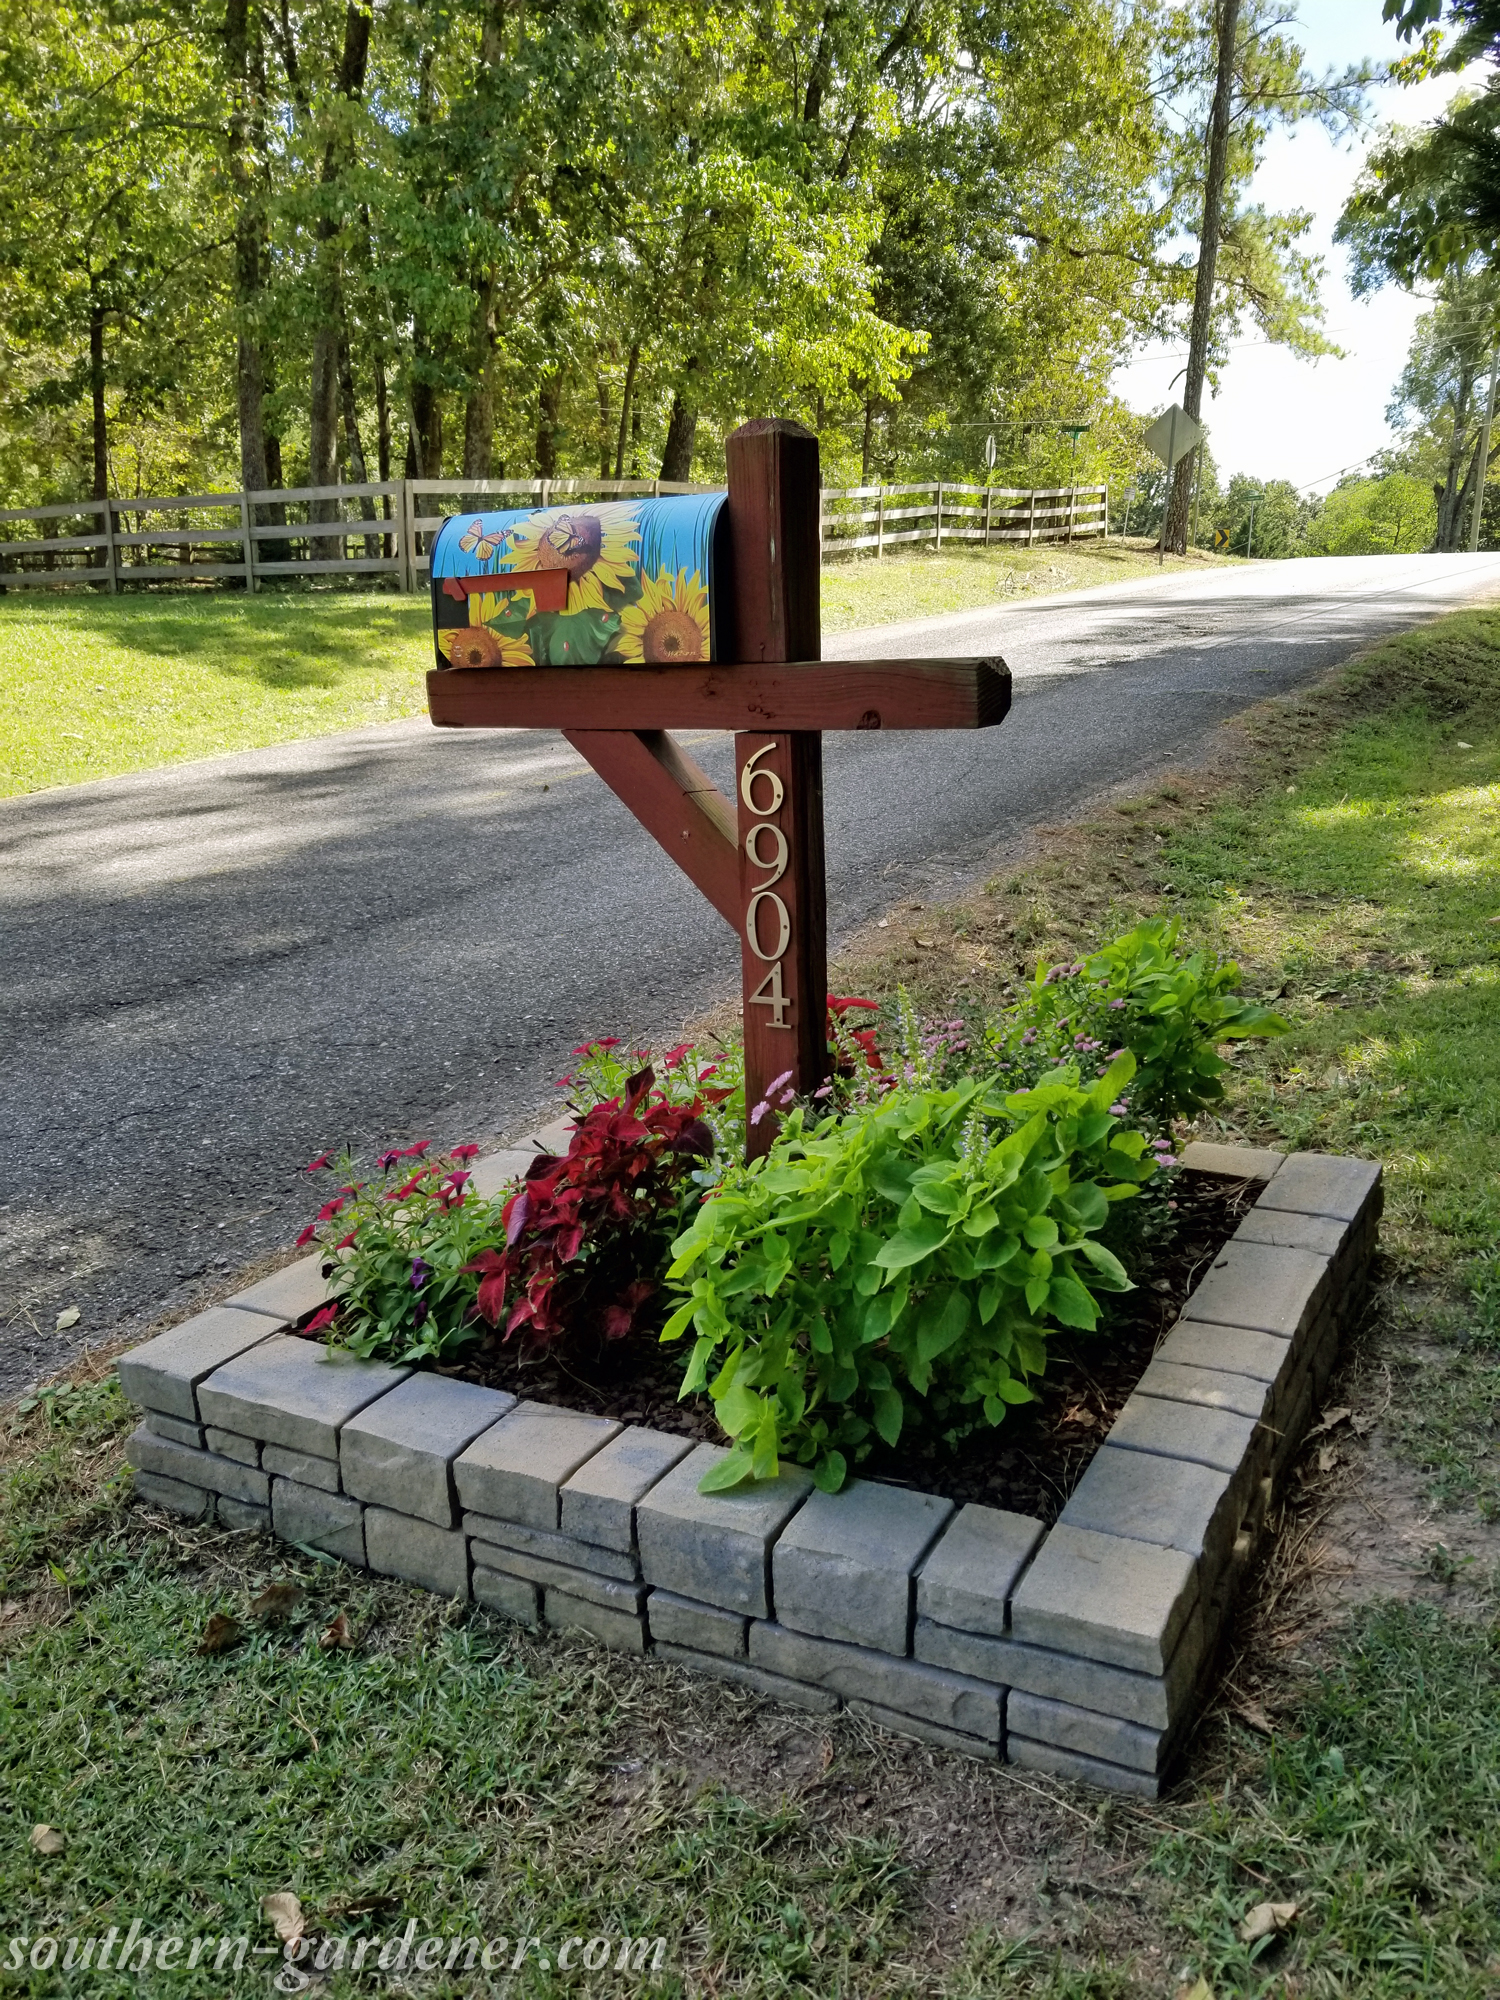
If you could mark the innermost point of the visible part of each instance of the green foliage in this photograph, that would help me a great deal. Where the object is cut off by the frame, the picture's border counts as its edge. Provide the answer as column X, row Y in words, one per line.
column 913, row 1250
column 1143, row 995
column 1395, row 514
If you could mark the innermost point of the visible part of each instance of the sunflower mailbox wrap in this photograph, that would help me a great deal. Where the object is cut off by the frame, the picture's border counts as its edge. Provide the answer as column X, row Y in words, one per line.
column 614, row 583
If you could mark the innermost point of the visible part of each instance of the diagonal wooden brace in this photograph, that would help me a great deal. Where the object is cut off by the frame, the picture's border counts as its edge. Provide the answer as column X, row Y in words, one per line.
column 676, row 801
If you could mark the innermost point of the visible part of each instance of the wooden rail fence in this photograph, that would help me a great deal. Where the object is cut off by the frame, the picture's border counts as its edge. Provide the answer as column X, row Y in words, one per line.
column 385, row 528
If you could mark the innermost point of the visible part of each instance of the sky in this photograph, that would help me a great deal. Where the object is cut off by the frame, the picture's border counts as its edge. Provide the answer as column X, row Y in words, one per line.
column 1277, row 415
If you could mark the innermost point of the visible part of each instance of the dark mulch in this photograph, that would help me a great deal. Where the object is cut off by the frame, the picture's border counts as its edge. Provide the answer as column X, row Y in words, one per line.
column 1030, row 1464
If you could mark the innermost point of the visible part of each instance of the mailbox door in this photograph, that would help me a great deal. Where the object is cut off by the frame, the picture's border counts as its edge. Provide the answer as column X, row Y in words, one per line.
column 614, row 582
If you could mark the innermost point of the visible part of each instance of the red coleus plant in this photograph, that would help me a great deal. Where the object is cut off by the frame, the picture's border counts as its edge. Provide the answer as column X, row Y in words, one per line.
column 844, row 1038
column 581, row 1229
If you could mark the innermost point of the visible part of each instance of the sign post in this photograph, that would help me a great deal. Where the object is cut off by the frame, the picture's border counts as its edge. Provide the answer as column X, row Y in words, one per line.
column 1171, row 437
column 760, row 858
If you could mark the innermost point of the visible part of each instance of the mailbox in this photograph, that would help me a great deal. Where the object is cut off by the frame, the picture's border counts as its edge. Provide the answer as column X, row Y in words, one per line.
column 612, row 583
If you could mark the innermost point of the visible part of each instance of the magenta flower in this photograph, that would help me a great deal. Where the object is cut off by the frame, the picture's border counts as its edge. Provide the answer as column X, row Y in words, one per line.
column 330, row 1209
column 323, row 1160
column 324, row 1316
column 415, row 1152
column 465, row 1153
column 307, row 1235
column 387, row 1160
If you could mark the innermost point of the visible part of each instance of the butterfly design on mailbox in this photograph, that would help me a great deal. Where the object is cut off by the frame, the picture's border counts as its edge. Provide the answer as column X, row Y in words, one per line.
column 612, row 583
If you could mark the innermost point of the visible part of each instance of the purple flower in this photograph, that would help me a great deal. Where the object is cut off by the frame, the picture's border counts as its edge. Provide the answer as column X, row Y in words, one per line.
column 1117, row 1003
column 759, row 1112
column 1117, row 1110
column 1028, row 1038
column 421, row 1271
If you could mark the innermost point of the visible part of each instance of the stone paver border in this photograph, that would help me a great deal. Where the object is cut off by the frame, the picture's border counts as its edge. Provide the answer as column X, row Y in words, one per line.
column 1084, row 1650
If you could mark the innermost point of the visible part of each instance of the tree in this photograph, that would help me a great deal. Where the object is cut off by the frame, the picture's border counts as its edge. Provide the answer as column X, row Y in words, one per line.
column 1393, row 514
column 1247, row 260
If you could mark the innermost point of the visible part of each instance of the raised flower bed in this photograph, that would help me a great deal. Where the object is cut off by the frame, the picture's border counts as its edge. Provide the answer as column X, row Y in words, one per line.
column 1082, row 1648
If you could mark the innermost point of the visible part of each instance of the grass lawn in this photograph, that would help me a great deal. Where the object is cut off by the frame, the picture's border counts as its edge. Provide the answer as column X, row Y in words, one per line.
column 92, row 686
column 482, row 1781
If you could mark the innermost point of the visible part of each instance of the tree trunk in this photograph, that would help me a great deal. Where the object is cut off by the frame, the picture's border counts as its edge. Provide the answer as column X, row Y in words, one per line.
column 250, row 387
column 601, row 389
column 323, row 393
column 383, row 439
column 548, row 423
column 682, row 433
column 627, row 408
column 479, row 411
column 867, row 445
column 96, row 396
column 1450, row 500
column 354, row 450
column 425, row 456
column 1174, row 528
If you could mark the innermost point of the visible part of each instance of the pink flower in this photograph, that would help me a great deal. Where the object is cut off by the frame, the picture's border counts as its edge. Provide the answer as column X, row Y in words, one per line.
column 323, row 1160
column 324, row 1316
column 758, row 1113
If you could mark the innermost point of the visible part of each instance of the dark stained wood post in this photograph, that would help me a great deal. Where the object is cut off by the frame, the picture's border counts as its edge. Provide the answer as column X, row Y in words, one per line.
column 775, row 499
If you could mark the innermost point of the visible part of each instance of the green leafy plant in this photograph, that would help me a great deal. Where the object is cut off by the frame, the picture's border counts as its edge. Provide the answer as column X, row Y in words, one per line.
column 889, row 1255
column 1140, row 993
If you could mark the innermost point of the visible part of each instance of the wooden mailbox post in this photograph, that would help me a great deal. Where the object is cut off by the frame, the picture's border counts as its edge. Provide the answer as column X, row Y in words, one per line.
column 758, row 860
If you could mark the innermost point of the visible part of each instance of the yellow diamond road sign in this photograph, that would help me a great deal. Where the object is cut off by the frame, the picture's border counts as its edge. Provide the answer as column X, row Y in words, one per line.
column 1174, row 434
column 1221, row 538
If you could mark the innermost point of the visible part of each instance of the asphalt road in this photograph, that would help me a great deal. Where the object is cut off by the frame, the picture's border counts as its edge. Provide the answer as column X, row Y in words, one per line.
column 213, row 972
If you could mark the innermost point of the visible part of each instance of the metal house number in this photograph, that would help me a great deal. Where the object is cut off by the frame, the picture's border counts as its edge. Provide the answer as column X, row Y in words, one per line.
column 770, row 992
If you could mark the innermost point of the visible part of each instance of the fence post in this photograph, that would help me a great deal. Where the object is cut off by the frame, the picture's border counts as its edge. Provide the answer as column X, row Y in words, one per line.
column 987, row 498
column 246, row 523
column 879, row 522
column 1104, row 489
column 112, row 582
column 1031, row 519
column 408, row 568
column 940, row 513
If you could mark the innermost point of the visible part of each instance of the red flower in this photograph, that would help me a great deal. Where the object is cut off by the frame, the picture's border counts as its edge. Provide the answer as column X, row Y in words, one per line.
column 415, row 1152
column 323, row 1160
column 387, row 1160
column 838, row 1006
column 674, row 1056
column 464, row 1153
column 344, row 1241
column 330, row 1209
column 325, row 1316
column 411, row 1186
column 307, row 1235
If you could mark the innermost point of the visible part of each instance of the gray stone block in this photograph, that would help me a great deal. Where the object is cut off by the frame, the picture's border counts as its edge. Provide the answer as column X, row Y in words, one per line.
column 1107, row 1598
column 507, row 1595
column 1168, row 1501
column 565, row 1549
column 149, row 1453
column 416, row 1551
column 1154, row 1700
column 754, row 1679
column 930, row 1693
column 241, row 1517
column 1080, row 1729
column 605, row 1590
column 320, row 1472
column 677, row 1621
column 622, row 1630
column 1216, row 1438
column 1286, row 1229
column 1227, row 1350
column 227, row 1445
column 1291, row 1431
column 843, row 1566
column 399, row 1452
column 716, row 1547
column 514, row 1470
column 287, row 1294
column 1272, row 1291
column 175, row 1429
column 1248, row 1163
column 164, row 1373
column 926, row 1732
column 497, row 1170
column 1056, row 1763
column 175, row 1496
column 295, row 1393
column 1211, row 1388
column 1325, row 1184
column 599, row 1501
column 318, row 1520
column 967, row 1579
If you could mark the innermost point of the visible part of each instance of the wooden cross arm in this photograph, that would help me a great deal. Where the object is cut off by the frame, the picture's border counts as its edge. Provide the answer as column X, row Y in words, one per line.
column 811, row 694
